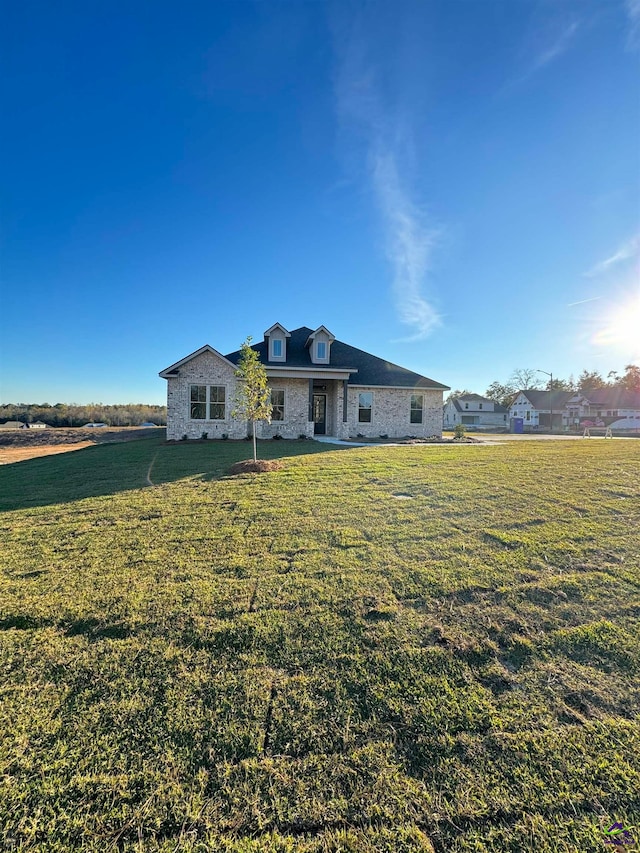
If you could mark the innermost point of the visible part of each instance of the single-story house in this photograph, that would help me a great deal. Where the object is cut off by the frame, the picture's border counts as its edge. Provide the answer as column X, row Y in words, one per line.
column 12, row 425
column 319, row 386
column 535, row 407
column 475, row 412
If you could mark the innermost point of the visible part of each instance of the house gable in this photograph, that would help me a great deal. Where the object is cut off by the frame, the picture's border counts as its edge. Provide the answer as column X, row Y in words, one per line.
column 174, row 369
column 319, row 344
column 276, row 341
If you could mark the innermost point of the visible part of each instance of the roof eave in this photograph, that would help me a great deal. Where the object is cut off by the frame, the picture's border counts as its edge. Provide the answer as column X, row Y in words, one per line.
column 170, row 371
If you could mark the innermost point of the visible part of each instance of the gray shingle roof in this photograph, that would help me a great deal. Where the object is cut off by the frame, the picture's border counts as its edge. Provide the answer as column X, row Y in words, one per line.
column 371, row 369
column 476, row 398
column 542, row 399
column 613, row 398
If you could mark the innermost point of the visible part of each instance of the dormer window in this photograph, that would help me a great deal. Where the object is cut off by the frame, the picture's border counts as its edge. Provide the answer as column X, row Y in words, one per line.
column 319, row 343
column 276, row 340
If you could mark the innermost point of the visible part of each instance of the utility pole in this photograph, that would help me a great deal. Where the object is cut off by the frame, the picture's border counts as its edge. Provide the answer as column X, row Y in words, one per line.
column 550, row 375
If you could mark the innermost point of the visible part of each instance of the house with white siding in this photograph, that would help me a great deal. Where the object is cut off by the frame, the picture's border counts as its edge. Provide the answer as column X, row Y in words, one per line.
column 613, row 406
column 535, row 408
column 475, row 413
column 319, row 386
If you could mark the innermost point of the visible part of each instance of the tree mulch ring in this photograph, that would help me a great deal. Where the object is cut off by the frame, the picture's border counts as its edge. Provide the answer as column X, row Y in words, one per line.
column 251, row 467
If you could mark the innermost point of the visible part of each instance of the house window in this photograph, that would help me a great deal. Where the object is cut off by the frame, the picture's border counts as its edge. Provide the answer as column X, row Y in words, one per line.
column 415, row 414
column 277, row 404
column 365, row 405
column 321, row 350
column 528, row 415
column 276, row 348
column 212, row 397
column 466, row 405
column 479, row 405
column 217, row 401
column 198, row 402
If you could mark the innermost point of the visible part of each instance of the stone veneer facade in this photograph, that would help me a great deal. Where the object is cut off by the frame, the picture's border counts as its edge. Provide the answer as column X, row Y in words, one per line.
column 296, row 411
column 204, row 369
column 390, row 413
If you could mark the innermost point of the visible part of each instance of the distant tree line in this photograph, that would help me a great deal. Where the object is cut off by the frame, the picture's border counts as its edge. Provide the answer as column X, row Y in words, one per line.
column 527, row 379
column 72, row 414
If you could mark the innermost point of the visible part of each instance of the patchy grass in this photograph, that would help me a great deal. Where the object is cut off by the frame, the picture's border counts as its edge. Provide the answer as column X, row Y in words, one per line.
column 297, row 660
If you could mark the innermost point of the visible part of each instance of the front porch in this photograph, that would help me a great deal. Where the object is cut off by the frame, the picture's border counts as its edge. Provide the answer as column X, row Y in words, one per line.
column 327, row 408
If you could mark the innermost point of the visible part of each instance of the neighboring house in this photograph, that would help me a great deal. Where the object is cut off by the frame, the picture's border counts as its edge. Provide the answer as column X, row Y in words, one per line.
column 12, row 425
column 319, row 386
column 38, row 425
column 535, row 407
column 475, row 412
column 604, row 407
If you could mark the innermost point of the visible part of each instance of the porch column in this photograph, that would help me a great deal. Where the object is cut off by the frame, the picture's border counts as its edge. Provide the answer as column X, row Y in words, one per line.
column 344, row 401
column 310, row 400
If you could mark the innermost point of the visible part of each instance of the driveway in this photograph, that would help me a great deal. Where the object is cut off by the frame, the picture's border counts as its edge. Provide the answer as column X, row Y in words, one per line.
column 498, row 438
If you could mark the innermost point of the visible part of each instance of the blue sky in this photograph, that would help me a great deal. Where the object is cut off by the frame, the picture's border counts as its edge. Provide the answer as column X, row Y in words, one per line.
column 453, row 185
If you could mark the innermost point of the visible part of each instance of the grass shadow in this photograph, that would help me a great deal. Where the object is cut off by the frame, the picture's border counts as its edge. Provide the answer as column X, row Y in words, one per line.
column 109, row 469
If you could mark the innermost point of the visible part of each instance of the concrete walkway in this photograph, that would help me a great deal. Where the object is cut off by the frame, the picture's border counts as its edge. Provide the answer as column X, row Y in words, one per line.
column 329, row 439
column 479, row 439
column 498, row 438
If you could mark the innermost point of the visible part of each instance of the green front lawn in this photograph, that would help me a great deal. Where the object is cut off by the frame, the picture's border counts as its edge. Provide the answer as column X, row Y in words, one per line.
column 369, row 649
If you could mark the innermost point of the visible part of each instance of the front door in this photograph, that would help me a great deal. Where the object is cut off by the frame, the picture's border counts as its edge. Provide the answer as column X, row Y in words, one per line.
column 319, row 414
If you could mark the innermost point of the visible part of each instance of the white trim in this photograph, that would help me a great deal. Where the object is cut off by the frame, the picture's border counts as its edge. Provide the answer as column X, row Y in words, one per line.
column 164, row 374
column 281, row 339
column 278, row 326
column 412, row 388
column 324, row 329
column 287, row 372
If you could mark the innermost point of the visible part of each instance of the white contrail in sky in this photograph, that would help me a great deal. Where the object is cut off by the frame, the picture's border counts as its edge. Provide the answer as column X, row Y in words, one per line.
column 582, row 301
column 383, row 136
column 628, row 250
column 410, row 244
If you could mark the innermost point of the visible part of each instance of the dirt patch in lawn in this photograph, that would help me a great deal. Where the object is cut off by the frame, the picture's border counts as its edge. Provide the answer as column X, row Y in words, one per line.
column 73, row 435
column 251, row 467
column 19, row 454
column 408, row 440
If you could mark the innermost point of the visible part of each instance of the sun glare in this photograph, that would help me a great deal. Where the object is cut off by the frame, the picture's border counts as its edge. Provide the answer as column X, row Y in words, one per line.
column 621, row 328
